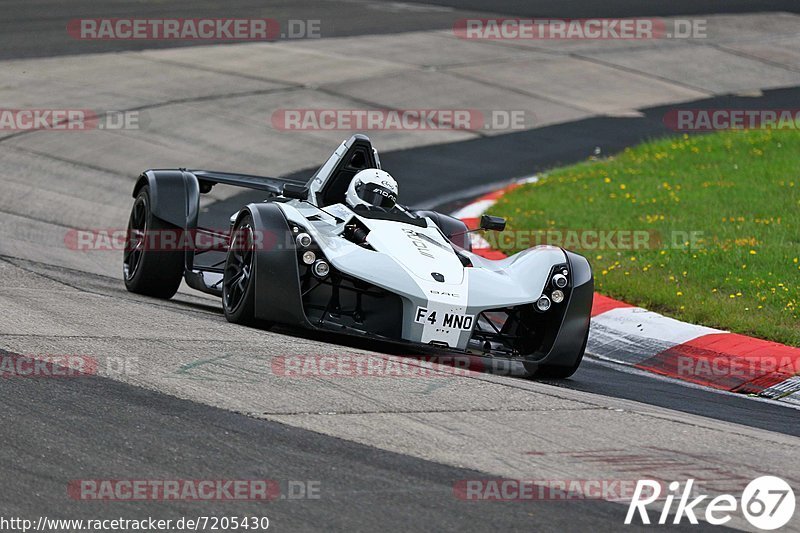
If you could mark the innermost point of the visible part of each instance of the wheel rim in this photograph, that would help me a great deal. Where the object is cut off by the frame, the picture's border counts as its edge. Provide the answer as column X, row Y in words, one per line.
column 135, row 238
column 238, row 268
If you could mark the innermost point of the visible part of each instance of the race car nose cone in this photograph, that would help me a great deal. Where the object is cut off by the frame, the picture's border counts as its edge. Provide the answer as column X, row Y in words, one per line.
column 543, row 303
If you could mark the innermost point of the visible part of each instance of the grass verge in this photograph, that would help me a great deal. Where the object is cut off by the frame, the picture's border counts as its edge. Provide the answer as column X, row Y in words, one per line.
column 720, row 214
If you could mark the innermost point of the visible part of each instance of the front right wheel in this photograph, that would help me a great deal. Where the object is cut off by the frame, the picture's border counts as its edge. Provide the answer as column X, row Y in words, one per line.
column 557, row 372
column 238, row 281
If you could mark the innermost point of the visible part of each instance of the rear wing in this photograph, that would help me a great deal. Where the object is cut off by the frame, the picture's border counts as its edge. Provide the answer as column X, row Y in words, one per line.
column 208, row 178
column 175, row 193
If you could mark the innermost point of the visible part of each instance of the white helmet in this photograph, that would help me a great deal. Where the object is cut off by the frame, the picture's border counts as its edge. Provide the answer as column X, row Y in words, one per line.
column 372, row 187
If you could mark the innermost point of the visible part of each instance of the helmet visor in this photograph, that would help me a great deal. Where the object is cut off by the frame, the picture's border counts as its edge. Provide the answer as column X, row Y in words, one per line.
column 376, row 195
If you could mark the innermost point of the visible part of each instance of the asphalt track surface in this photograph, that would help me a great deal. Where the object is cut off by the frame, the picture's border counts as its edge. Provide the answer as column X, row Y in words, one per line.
column 68, row 429
column 365, row 489
column 36, row 28
column 620, row 8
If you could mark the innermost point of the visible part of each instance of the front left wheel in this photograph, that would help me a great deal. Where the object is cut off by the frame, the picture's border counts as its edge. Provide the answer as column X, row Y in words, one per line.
column 149, row 268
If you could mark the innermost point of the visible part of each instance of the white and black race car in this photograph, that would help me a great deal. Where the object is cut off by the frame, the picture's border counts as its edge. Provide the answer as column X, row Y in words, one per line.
column 303, row 257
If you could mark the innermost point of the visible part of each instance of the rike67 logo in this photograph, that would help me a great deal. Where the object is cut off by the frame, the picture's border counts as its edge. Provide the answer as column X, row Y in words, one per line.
column 767, row 503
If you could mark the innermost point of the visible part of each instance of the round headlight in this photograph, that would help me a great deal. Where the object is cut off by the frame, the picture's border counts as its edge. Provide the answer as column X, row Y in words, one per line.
column 321, row 269
column 560, row 281
column 303, row 240
column 543, row 303
column 309, row 257
column 557, row 296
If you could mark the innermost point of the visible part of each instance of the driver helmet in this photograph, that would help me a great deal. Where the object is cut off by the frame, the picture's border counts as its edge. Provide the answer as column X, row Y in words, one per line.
column 372, row 187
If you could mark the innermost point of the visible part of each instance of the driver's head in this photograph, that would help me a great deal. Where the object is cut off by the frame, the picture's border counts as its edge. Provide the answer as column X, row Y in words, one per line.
column 372, row 187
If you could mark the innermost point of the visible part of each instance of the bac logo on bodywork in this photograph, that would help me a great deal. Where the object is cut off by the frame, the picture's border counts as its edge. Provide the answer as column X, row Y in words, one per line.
column 444, row 320
column 418, row 242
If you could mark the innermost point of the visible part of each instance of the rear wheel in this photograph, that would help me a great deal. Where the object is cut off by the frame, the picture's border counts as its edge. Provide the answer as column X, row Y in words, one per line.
column 147, row 269
column 238, row 282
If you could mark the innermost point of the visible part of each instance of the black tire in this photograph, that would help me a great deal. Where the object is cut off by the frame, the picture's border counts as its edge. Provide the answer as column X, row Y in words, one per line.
column 238, row 281
column 148, row 271
column 557, row 372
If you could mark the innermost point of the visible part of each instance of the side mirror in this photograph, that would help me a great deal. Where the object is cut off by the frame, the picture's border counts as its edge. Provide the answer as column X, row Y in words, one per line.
column 296, row 191
column 493, row 223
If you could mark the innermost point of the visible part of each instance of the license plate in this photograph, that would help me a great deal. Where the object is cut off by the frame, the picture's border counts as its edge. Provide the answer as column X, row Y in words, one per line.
column 443, row 319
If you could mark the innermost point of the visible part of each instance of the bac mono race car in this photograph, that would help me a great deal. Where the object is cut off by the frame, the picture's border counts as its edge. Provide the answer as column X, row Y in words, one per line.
column 304, row 257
